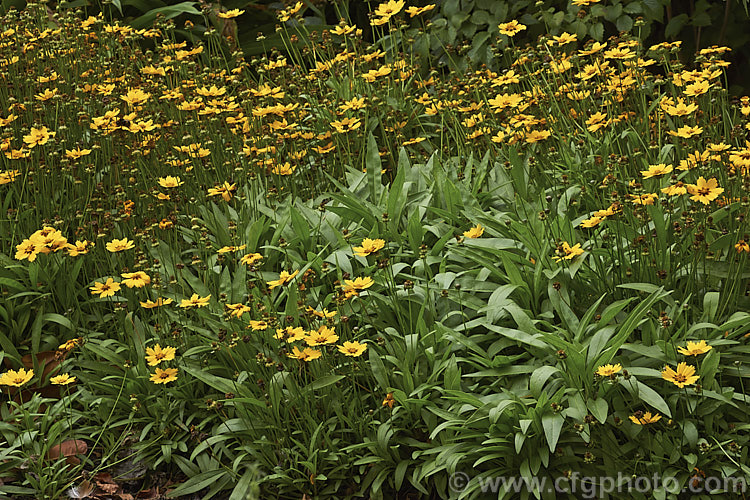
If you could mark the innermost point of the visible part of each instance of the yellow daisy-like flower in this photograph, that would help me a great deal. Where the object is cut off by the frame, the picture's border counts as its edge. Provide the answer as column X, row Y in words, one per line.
column 138, row 279
column 149, row 304
column 675, row 189
column 120, row 245
column 346, row 125
column 63, row 379
column 608, row 370
column 387, row 10
column 353, row 349
column 38, row 137
column 157, row 354
column 369, row 246
column 230, row 14
column 164, row 376
column 685, row 375
column 284, row 278
column 592, row 222
column 474, row 232
column 695, row 348
column 306, row 354
column 225, row 191
column 697, row 88
column 704, row 191
column 259, row 326
column 511, row 28
column 251, row 258
column 237, row 310
column 106, row 289
column 656, row 170
column 567, row 252
column 195, row 301
column 359, row 283
column 27, row 249
column 686, row 132
column 644, row 418
column 170, row 182
column 16, row 378
column 322, row 336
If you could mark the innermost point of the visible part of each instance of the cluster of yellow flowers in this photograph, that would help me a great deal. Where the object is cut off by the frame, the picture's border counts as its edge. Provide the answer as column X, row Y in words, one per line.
column 683, row 376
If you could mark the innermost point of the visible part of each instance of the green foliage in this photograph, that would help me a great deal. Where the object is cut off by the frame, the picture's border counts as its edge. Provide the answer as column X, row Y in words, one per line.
column 335, row 273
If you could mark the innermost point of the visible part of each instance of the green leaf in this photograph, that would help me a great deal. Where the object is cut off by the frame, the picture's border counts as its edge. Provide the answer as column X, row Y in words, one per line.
column 324, row 381
column 598, row 408
column 538, row 379
column 553, row 424
column 374, row 166
column 197, row 483
column 169, row 12
column 646, row 394
column 675, row 25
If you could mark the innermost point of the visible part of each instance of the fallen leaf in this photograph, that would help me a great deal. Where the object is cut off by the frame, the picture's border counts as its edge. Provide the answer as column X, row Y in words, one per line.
column 68, row 449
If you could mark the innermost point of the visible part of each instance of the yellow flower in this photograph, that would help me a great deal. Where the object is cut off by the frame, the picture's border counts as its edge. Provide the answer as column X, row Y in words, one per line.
column 38, row 137
column 346, row 125
column 195, row 301
column 324, row 335
column 386, row 10
column 474, row 232
column 644, row 418
column 742, row 246
column 697, row 88
column 565, row 38
column 695, row 348
column 359, row 283
column 415, row 11
column 63, row 379
column 80, row 248
column 537, row 135
column 77, row 153
column 156, row 355
column 686, row 132
column 307, row 354
column 592, row 222
column 250, row 258
column 566, row 252
column 704, row 190
column 608, row 370
column 27, row 249
column 291, row 334
column 120, row 245
column 369, row 246
column 656, row 170
column 225, row 191
column 16, row 378
column 170, row 182
column 353, row 349
column 159, row 302
column 259, row 326
column 231, row 13
column 135, row 97
column 389, row 401
column 164, row 376
column 511, row 28
column 8, row 176
column 284, row 278
column 138, row 279
column 324, row 314
column 644, row 199
column 675, row 189
column 682, row 377
column 106, row 289
column 237, row 310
